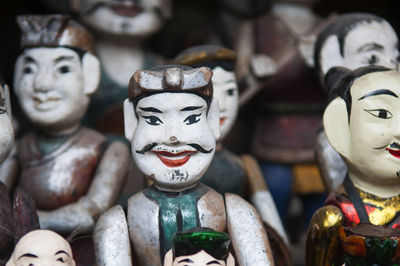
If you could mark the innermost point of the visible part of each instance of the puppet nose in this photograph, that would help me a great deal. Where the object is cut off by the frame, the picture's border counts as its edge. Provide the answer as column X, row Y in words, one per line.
column 174, row 140
column 43, row 82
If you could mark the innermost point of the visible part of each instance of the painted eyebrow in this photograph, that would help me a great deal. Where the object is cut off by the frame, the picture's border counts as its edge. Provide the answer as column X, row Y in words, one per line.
column 150, row 109
column 186, row 260
column 379, row 92
column 62, row 58
column 191, row 108
column 29, row 59
column 29, row 255
column 370, row 47
column 61, row 252
column 213, row 262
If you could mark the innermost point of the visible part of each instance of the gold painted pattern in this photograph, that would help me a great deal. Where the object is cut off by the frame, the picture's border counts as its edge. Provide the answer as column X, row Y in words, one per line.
column 386, row 208
column 323, row 246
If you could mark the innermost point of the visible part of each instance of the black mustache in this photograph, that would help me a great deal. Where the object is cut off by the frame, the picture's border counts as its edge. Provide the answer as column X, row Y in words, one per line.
column 199, row 148
column 149, row 147
column 393, row 145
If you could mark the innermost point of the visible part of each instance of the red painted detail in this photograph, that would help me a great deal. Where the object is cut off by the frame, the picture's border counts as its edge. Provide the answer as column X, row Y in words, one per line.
column 222, row 121
column 395, row 153
column 174, row 162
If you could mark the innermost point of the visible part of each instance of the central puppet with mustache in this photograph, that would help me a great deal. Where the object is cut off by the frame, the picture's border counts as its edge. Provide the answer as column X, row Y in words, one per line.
column 172, row 122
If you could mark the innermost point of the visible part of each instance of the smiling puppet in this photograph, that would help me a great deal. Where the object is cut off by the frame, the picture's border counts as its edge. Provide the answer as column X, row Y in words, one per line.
column 362, row 124
column 352, row 40
column 70, row 171
column 173, row 123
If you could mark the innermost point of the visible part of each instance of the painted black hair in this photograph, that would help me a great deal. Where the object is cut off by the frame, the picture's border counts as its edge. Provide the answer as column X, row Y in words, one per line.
column 194, row 240
column 80, row 52
column 345, row 79
column 340, row 27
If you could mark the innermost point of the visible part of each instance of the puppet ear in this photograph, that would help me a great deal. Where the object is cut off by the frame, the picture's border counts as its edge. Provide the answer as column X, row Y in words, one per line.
column 18, row 67
column 213, row 119
column 231, row 260
column 168, row 258
column 130, row 120
column 91, row 71
column 330, row 55
column 336, row 125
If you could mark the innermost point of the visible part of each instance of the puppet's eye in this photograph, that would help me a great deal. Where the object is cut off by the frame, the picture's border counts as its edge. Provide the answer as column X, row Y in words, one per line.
column 64, row 69
column 373, row 60
column 152, row 120
column 380, row 113
column 192, row 119
column 28, row 70
column 231, row 92
column 60, row 259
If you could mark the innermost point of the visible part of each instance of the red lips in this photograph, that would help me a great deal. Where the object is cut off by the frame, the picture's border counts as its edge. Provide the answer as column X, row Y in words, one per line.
column 127, row 9
column 395, row 153
column 222, row 120
column 174, row 162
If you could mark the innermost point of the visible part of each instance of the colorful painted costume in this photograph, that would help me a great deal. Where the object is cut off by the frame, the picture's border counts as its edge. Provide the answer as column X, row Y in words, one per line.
column 351, row 207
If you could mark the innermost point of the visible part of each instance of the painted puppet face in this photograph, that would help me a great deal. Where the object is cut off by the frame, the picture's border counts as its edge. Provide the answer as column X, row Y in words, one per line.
column 173, row 143
column 201, row 258
column 227, row 93
column 131, row 18
column 375, row 126
column 6, row 129
column 50, row 86
column 42, row 248
column 371, row 43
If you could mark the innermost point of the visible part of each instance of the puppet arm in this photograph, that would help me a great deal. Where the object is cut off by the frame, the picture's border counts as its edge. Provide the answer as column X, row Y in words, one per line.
column 323, row 243
column 111, row 238
column 246, row 231
column 102, row 194
column 9, row 169
column 261, row 198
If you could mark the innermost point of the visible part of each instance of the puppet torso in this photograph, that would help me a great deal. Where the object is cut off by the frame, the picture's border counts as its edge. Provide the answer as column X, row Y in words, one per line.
column 154, row 216
column 291, row 100
column 330, row 242
column 63, row 175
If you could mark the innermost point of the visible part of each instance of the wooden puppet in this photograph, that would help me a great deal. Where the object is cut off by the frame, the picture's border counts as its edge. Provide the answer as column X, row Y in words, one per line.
column 6, row 131
column 229, row 172
column 42, row 247
column 199, row 247
column 121, row 28
column 282, row 92
column 173, row 123
column 70, row 171
column 19, row 215
column 8, row 162
column 6, row 144
column 352, row 40
column 362, row 124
